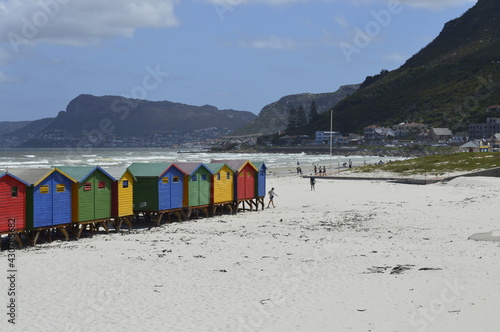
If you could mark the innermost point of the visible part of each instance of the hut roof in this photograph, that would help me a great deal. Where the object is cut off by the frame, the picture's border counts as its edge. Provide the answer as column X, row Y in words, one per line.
column 471, row 144
column 215, row 167
column 442, row 131
column 259, row 164
column 190, row 168
column 15, row 177
column 36, row 175
column 80, row 173
column 148, row 169
column 236, row 165
column 118, row 172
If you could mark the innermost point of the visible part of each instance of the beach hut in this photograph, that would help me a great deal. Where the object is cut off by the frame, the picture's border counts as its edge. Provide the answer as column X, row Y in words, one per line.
column 12, row 205
column 260, row 182
column 159, row 190
column 91, row 197
column 48, row 200
column 197, row 187
column 245, row 174
column 222, row 186
column 122, row 206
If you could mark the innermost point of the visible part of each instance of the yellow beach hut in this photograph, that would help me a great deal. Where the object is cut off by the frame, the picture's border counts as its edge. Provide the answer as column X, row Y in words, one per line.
column 222, row 193
column 122, row 209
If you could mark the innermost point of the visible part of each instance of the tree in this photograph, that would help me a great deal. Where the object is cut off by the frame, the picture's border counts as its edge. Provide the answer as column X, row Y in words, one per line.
column 292, row 119
column 301, row 117
column 313, row 113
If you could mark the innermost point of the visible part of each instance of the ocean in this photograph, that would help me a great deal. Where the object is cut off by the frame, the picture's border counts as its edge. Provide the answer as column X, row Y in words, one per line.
column 36, row 158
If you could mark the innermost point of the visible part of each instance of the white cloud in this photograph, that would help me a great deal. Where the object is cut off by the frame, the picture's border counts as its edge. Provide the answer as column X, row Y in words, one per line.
column 425, row 4
column 80, row 22
column 271, row 42
column 234, row 3
column 435, row 4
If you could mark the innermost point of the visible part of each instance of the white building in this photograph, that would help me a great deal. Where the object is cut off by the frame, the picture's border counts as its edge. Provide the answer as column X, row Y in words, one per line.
column 323, row 137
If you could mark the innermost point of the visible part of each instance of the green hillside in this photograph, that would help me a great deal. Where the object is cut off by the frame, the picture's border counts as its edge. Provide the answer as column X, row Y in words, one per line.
column 439, row 164
column 449, row 83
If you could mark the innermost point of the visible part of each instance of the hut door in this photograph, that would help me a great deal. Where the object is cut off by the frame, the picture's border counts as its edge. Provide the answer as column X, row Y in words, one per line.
column 61, row 201
column 43, row 208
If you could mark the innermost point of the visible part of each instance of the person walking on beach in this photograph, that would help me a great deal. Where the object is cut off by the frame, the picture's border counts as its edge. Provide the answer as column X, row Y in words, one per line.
column 271, row 197
column 313, row 182
column 315, row 169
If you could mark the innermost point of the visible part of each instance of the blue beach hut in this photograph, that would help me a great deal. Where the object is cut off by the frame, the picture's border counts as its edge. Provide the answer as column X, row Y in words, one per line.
column 48, row 198
column 159, row 188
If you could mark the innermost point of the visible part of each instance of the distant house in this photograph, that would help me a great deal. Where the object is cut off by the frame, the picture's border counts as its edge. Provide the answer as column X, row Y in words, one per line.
column 494, row 108
column 460, row 137
column 408, row 129
column 484, row 130
column 441, row 134
column 323, row 137
column 496, row 138
column 376, row 133
column 471, row 146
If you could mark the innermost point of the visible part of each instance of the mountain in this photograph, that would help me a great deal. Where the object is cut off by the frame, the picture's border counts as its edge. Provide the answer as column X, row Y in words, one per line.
column 118, row 121
column 275, row 116
column 449, row 83
column 10, row 126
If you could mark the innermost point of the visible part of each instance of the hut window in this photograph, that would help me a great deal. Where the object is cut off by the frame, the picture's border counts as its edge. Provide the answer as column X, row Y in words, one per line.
column 125, row 184
column 44, row 189
column 101, row 184
column 228, row 175
column 261, row 173
column 176, row 179
column 60, row 188
column 203, row 177
column 14, row 191
column 194, row 178
column 164, row 180
column 241, row 174
column 87, row 186
column 218, row 176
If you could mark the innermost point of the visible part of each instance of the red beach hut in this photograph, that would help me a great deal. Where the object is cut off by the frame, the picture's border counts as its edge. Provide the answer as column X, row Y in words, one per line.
column 12, row 203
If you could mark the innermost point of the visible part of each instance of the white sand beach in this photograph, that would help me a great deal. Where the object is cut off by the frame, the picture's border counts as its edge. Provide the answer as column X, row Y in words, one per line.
column 349, row 256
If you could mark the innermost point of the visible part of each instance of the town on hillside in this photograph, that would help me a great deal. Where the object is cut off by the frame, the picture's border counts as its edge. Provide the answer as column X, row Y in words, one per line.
column 480, row 137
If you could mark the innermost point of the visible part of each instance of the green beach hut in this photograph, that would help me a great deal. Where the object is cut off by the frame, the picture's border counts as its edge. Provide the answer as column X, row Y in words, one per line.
column 197, row 184
column 92, row 195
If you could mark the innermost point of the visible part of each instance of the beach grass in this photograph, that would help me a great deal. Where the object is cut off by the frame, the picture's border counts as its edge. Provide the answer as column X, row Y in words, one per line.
column 439, row 164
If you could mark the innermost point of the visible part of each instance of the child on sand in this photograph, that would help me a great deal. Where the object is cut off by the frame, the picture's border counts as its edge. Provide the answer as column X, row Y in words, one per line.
column 271, row 197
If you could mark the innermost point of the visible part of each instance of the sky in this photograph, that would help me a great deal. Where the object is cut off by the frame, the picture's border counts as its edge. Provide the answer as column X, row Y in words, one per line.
column 232, row 54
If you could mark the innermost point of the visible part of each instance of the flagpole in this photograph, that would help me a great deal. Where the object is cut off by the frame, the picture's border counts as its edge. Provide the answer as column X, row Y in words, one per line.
column 331, row 137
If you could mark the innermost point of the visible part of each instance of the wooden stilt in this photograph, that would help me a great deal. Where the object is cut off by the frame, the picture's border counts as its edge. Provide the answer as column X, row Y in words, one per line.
column 62, row 230
column 128, row 222
column 18, row 240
